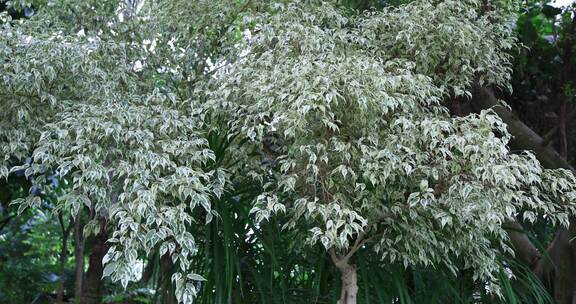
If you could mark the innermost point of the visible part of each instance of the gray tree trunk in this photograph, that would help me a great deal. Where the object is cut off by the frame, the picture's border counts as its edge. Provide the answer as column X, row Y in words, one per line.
column 349, row 278
column 348, row 274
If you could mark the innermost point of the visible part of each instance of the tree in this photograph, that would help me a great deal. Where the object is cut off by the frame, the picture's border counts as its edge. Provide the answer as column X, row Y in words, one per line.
column 78, row 103
column 368, row 157
column 338, row 117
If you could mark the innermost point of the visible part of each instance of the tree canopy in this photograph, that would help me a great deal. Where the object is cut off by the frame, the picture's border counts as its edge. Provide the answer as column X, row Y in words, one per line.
column 155, row 112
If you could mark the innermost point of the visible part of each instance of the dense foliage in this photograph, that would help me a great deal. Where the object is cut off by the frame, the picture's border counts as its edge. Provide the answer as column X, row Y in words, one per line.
column 308, row 126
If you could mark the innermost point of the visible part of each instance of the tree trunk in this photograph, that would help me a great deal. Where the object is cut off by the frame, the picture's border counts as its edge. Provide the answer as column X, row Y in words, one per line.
column 556, row 269
column 63, row 257
column 349, row 279
column 92, row 285
column 79, row 256
column 348, row 274
column 562, row 129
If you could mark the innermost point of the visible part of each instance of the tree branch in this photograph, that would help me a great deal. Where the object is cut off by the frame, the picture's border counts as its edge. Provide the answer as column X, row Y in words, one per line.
column 557, row 268
column 525, row 250
column 524, row 138
column 357, row 245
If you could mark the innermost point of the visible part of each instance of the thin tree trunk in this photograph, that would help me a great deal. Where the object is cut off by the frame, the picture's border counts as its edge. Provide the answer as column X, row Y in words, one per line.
column 562, row 130
column 148, row 270
column 348, row 275
column 63, row 257
column 79, row 256
column 567, row 76
column 92, row 284
column 349, row 278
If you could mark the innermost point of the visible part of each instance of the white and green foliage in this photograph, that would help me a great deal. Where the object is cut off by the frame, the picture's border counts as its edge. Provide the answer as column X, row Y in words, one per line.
column 95, row 102
column 363, row 149
column 454, row 42
column 367, row 153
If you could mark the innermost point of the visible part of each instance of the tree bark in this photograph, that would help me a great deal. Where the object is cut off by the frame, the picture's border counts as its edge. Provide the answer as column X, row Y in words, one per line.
column 92, row 285
column 63, row 256
column 78, row 256
column 556, row 269
column 524, row 138
column 348, row 277
column 526, row 252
